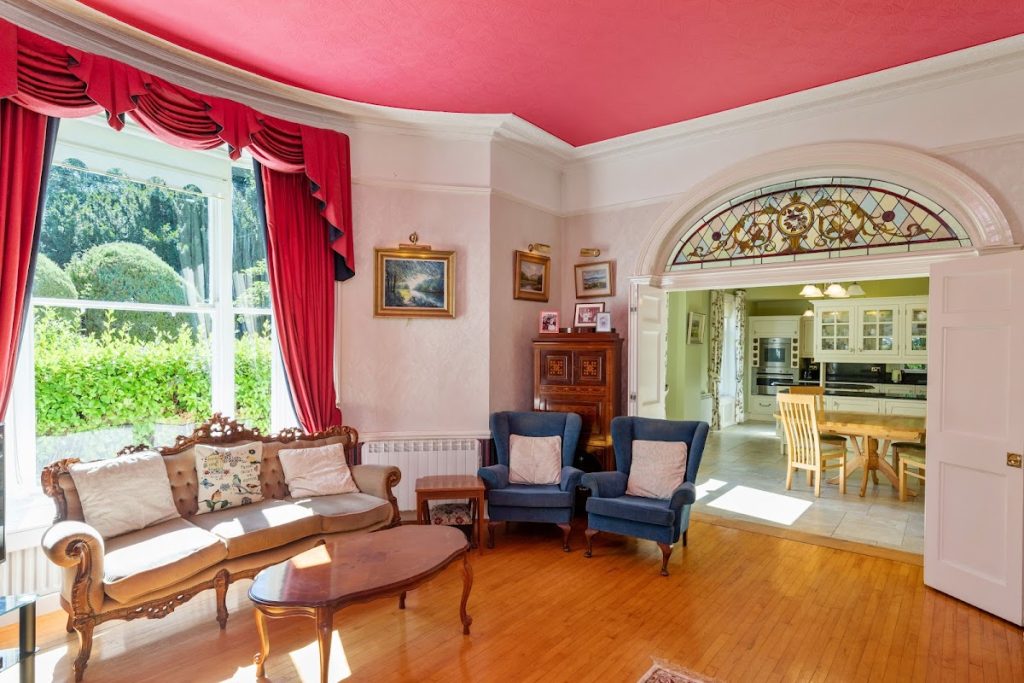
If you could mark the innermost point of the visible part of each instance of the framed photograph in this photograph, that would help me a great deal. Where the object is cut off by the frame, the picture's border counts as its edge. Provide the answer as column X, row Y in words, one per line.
column 414, row 283
column 530, row 276
column 548, row 322
column 604, row 322
column 695, row 324
column 586, row 314
column 595, row 279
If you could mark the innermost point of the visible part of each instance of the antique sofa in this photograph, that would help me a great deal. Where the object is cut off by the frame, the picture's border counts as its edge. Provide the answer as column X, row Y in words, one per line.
column 150, row 572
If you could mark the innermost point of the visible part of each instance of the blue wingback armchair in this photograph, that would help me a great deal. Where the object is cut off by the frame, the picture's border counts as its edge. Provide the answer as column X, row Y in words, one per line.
column 532, row 502
column 660, row 520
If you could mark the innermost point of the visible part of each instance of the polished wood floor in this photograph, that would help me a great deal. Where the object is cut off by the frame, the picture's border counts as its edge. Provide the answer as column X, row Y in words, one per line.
column 738, row 606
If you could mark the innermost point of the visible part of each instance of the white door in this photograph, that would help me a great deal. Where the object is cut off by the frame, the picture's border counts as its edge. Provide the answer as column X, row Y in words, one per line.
column 648, row 396
column 974, row 500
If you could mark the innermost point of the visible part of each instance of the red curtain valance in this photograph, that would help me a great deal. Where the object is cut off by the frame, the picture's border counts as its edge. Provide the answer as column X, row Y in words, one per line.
column 60, row 81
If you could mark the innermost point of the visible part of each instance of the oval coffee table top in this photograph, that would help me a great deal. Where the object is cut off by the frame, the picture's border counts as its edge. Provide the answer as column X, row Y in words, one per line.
column 359, row 566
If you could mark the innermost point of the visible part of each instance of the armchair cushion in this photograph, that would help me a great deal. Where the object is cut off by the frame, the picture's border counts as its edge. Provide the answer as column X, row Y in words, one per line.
column 658, row 467
column 605, row 484
column 634, row 508
column 531, row 496
column 534, row 459
column 494, row 476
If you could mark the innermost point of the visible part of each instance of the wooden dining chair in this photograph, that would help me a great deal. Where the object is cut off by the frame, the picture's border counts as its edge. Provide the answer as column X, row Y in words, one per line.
column 804, row 448
column 909, row 459
column 819, row 404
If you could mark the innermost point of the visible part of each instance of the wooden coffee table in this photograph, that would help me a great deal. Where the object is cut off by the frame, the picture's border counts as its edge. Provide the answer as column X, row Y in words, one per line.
column 444, row 486
column 355, row 568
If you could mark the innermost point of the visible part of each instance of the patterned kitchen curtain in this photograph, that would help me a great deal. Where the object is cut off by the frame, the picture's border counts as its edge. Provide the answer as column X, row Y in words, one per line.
column 741, row 351
column 717, row 328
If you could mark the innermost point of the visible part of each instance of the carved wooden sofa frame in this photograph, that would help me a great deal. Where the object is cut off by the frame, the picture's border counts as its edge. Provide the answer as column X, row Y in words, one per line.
column 72, row 547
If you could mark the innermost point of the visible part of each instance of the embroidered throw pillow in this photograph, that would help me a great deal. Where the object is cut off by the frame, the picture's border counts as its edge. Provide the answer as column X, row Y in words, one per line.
column 658, row 468
column 125, row 493
column 228, row 476
column 317, row 471
column 534, row 459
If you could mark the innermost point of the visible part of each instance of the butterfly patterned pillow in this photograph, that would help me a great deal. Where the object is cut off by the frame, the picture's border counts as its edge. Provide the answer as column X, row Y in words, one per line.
column 228, row 477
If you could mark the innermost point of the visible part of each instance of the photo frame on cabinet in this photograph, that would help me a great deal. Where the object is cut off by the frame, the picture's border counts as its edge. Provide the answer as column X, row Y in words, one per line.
column 586, row 314
column 604, row 322
column 695, row 324
column 595, row 279
column 548, row 322
column 531, row 276
column 413, row 282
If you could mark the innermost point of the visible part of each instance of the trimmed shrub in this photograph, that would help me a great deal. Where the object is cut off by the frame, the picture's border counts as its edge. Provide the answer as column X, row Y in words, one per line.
column 52, row 282
column 121, row 271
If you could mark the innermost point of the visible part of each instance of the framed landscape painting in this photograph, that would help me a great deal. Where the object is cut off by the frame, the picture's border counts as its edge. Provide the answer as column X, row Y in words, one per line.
column 530, row 273
column 595, row 279
column 414, row 283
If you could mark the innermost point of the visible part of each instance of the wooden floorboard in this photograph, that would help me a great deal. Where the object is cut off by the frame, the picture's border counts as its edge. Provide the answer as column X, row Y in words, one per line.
column 739, row 606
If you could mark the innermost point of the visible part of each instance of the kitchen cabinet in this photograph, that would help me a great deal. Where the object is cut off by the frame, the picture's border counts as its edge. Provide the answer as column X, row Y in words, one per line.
column 882, row 330
column 807, row 336
column 904, row 408
column 760, row 407
column 853, row 404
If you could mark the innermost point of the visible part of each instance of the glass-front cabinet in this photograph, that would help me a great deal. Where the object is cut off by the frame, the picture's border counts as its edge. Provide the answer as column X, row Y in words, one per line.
column 877, row 329
column 835, row 329
column 915, row 330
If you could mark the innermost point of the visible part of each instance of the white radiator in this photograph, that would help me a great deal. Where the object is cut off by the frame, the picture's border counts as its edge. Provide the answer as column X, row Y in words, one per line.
column 420, row 458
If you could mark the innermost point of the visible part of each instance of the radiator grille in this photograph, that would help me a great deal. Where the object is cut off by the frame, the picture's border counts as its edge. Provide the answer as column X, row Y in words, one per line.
column 28, row 571
column 421, row 458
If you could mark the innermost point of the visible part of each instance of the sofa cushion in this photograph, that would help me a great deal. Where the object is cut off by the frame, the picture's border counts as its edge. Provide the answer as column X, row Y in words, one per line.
column 124, row 494
column 251, row 528
column 534, row 459
column 347, row 511
column 531, row 496
column 317, row 471
column 657, row 468
column 634, row 508
column 228, row 476
column 142, row 561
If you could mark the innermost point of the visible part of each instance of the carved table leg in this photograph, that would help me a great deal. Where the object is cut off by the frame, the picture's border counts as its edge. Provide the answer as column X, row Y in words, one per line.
column 84, row 629
column 467, row 585
column 324, row 627
column 490, row 533
column 401, row 600
column 261, row 629
column 566, row 530
column 590, row 533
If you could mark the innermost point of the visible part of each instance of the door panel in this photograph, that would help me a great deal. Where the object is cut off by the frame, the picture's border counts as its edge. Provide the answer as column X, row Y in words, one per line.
column 652, row 326
column 974, row 501
column 555, row 367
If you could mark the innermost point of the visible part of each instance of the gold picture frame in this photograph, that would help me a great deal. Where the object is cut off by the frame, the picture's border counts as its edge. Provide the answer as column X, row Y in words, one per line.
column 595, row 279
column 531, row 276
column 413, row 282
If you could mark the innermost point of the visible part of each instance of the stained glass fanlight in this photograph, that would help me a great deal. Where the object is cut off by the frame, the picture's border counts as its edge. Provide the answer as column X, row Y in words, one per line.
column 817, row 218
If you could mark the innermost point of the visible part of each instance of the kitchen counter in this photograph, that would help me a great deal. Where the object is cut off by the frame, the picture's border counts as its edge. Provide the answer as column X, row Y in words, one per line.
column 877, row 394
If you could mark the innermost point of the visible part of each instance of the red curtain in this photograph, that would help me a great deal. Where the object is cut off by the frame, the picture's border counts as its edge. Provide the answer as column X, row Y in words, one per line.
column 52, row 79
column 23, row 164
column 302, row 297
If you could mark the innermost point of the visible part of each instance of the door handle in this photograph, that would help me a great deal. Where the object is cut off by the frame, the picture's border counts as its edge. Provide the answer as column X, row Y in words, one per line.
column 1013, row 460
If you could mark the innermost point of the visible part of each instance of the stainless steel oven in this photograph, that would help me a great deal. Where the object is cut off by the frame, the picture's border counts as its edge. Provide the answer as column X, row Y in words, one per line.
column 775, row 355
column 768, row 384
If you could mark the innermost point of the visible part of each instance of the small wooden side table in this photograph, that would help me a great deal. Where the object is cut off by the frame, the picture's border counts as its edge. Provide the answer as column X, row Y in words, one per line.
column 445, row 486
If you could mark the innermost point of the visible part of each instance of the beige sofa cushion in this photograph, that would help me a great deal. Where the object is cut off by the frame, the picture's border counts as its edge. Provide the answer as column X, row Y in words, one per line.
column 260, row 526
column 317, row 471
column 160, row 555
column 347, row 511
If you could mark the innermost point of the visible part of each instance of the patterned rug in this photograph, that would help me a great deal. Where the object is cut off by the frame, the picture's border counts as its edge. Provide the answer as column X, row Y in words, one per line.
column 666, row 673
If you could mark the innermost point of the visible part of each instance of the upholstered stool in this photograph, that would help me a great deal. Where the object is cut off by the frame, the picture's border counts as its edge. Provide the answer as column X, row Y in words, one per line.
column 454, row 514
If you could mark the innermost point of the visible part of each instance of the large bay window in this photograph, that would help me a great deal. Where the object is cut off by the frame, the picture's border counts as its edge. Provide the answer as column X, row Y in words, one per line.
column 150, row 306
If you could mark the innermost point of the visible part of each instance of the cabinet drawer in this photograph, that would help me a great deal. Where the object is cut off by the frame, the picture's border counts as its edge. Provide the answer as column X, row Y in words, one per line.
column 592, row 412
column 555, row 367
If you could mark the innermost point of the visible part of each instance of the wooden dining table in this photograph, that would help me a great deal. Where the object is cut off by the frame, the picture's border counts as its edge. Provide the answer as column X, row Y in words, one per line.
column 872, row 429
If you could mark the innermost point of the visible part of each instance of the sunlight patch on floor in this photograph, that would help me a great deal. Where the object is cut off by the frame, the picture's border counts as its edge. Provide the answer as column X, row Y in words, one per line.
column 764, row 505
column 709, row 486
column 306, row 660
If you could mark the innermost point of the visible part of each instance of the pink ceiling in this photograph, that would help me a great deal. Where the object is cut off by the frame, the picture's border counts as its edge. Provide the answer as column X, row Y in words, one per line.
column 584, row 70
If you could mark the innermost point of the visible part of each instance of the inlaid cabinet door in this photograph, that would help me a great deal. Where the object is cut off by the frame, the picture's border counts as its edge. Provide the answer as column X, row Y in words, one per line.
column 556, row 367
column 590, row 367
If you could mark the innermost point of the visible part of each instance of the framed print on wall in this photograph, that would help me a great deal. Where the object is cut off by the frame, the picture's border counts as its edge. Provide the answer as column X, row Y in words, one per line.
column 530, row 276
column 695, row 324
column 586, row 314
column 595, row 279
column 413, row 283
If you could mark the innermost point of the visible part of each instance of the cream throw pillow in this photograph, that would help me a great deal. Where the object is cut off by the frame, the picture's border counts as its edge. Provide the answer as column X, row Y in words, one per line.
column 125, row 493
column 658, row 468
column 228, row 476
column 317, row 471
column 534, row 459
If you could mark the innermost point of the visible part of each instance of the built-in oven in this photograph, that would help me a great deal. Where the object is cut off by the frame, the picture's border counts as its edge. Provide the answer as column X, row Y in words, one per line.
column 768, row 384
column 775, row 355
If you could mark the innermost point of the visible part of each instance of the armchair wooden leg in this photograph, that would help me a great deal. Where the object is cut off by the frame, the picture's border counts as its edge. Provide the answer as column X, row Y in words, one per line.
column 684, row 539
column 490, row 532
column 666, row 551
column 220, row 583
column 590, row 533
column 69, row 626
column 565, row 536
column 84, row 629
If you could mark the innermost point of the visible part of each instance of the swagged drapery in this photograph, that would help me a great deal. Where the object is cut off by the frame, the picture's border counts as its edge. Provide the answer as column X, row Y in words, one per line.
column 741, row 349
column 47, row 78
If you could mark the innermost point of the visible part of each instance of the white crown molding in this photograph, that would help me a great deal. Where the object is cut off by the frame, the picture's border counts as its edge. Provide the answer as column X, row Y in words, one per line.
column 937, row 180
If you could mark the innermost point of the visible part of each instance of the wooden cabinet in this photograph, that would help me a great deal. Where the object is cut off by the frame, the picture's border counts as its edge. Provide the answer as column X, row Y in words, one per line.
column 834, row 330
column 883, row 330
column 807, row 336
column 580, row 373
column 915, row 331
column 852, row 404
column 904, row 407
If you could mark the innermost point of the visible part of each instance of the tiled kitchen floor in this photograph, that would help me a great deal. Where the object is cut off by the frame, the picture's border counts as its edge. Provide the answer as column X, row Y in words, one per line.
column 743, row 476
